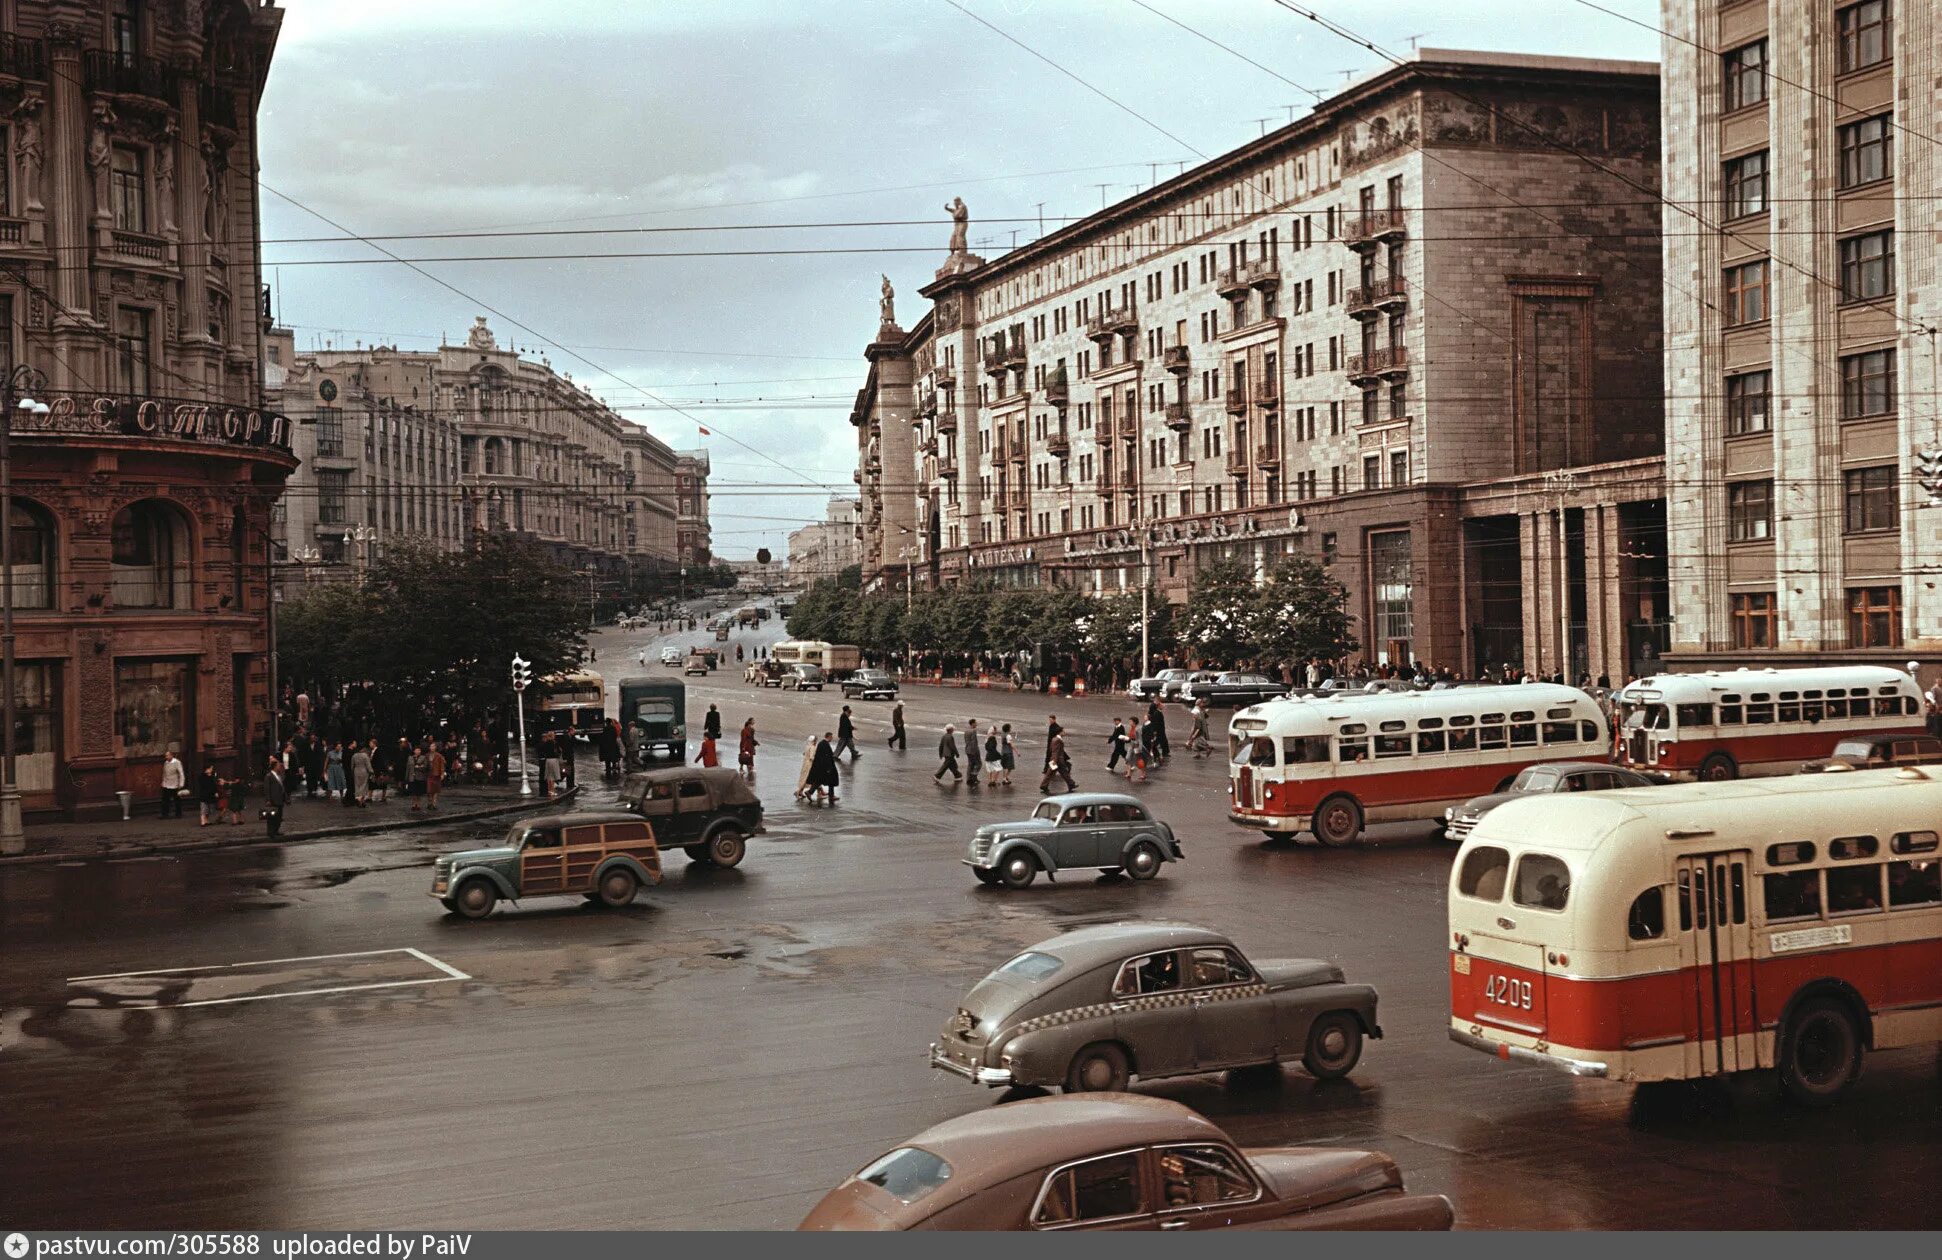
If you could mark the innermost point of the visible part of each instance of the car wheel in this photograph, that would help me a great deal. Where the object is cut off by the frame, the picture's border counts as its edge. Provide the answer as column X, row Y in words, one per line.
column 1718, row 768
column 1144, row 861
column 1338, row 822
column 727, row 847
column 618, row 886
column 696, row 852
column 987, row 878
column 474, row 899
column 1096, row 1069
column 1820, row 1055
column 1334, row 1046
column 1019, row 869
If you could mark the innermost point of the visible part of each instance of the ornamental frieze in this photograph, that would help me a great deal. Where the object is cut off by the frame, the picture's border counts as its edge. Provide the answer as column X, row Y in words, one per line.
column 183, row 420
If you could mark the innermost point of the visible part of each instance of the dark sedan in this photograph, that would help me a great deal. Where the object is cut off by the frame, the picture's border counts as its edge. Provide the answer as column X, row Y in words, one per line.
column 1871, row 752
column 1556, row 776
column 1233, row 690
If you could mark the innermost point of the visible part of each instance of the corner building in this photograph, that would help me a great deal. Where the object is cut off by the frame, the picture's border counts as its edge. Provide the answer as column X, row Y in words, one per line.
column 1383, row 335
column 1801, row 303
column 130, row 276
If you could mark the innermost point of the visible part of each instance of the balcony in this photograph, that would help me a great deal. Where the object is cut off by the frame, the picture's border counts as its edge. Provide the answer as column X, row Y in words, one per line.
column 995, row 361
column 1262, row 273
column 1236, row 400
column 1237, row 465
column 1389, row 361
column 1057, row 392
column 928, row 407
column 945, row 377
column 1267, row 392
column 1180, row 417
column 23, row 58
column 217, row 106
column 1367, row 230
column 140, row 246
column 1381, row 295
column 1123, row 320
column 947, row 467
column 1015, row 448
column 1268, row 454
column 1058, row 442
column 126, row 74
column 947, row 421
column 1178, row 360
column 1118, row 481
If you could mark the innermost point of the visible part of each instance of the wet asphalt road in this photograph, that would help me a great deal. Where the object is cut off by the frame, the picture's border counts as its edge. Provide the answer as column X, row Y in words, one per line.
column 739, row 1041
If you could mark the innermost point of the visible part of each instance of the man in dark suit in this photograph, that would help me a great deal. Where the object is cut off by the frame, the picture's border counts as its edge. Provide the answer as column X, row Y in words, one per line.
column 275, row 795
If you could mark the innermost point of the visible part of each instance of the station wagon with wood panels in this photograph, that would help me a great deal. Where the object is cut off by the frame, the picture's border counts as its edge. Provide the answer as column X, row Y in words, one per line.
column 605, row 856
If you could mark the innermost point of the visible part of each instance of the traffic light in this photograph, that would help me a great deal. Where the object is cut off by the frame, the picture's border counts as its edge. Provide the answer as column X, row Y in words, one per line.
column 1928, row 472
column 522, row 673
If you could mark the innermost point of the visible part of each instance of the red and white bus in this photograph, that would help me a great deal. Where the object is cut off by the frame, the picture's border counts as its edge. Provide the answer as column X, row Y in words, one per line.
column 1703, row 929
column 1331, row 765
column 1722, row 725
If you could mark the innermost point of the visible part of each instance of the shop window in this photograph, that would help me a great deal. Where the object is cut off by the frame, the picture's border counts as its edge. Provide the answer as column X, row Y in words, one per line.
column 33, row 555
column 151, row 706
column 150, row 566
column 37, row 724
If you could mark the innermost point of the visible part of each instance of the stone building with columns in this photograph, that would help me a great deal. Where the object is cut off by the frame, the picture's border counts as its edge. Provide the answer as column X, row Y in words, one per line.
column 1801, row 365
column 1414, row 334
column 130, row 278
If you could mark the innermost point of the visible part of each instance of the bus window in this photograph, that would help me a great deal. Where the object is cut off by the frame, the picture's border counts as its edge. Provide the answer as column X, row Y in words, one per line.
column 1258, row 751
column 1646, row 920
column 1694, row 715
column 1793, row 895
column 1392, row 745
column 1914, row 842
column 1731, row 713
column 1910, row 707
column 1491, row 736
column 1463, row 719
column 1793, row 853
column 1759, row 710
column 1543, row 882
column 1854, row 889
column 1837, row 702
column 1914, row 883
column 1739, row 893
column 1790, row 706
column 1304, row 749
column 1351, row 750
column 1812, row 710
column 1430, row 724
column 1523, row 729
column 1429, row 741
column 1560, row 732
column 1463, row 739
column 1848, row 848
column 1588, row 732
column 1887, row 706
column 1684, row 893
column 1483, row 873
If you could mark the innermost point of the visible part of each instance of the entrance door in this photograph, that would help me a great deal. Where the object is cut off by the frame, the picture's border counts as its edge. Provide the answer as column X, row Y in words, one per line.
column 1722, row 1010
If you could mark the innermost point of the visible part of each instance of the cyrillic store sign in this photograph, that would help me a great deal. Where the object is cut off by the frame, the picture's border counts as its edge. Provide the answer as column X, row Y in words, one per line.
column 166, row 418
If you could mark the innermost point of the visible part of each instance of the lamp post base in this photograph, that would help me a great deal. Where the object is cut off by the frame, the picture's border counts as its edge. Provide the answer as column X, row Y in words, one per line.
column 13, row 839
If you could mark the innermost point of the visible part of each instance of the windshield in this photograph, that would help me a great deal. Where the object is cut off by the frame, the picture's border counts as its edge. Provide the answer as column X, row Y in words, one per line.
column 1647, row 717
column 1031, row 966
column 1861, row 749
column 1048, row 810
column 1258, row 751
column 1536, row 779
column 907, row 1173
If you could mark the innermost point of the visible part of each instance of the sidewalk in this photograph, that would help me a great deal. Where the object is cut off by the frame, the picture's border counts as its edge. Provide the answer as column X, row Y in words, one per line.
column 146, row 834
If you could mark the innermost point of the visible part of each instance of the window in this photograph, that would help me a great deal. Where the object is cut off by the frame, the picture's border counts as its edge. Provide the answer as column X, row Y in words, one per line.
column 1216, row 965
column 1543, row 882
column 150, row 558
column 33, row 555
column 1744, row 81
column 1854, row 889
column 1749, row 511
column 1793, row 895
column 1746, row 292
column 1155, row 973
column 330, row 431
column 133, row 338
column 128, row 190
column 333, row 489
column 1914, row 883
column 1646, row 920
column 1746, row 185
column 1372, row 468
column 1483, row 874
column 1749, row 403
column 907, row 1173
column 1864, row 31
column 1096, row 1190
column 151, row 706
column 1201, row 1176
column 1399, row 468
column 1304, row 749
column 1867, row 384
column 1868, row 266
column 1755, row 619
column 1867, row 150
column 1871, row 495
column 1391, row 568
column 1874, row 616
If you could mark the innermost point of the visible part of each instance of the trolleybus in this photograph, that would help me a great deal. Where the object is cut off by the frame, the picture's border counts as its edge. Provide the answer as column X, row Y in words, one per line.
column 1725, row 724
column 1330, row 765
column 574, row 702
column 1703, row 929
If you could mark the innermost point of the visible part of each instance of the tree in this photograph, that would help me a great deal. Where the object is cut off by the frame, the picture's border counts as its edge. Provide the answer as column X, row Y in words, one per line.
column 1302, row 612
column 1219, row 622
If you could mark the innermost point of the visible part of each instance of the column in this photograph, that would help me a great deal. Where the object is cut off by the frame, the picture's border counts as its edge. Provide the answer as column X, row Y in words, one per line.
column 1533, row 554
column 67, row 192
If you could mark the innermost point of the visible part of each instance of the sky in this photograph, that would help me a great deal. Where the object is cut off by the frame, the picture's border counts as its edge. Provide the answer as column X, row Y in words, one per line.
column 769, row 124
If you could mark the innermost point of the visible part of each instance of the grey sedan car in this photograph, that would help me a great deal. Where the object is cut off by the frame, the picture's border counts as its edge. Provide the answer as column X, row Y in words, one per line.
column 1554, row 776
column 1108, row 830
column 1092, row 1009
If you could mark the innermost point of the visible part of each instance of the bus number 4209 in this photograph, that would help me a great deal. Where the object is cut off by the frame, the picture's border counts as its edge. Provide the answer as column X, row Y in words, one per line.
column 1507, row 992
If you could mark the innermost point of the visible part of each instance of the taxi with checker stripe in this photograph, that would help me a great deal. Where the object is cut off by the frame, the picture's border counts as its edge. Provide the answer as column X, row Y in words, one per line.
column 1095, row 1008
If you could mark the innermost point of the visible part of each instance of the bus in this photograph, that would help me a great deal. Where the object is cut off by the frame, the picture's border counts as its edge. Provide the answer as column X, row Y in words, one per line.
column 1704, row 929
column 838, row 660
column 1331, row 765
column 574, row 702
column 654, row 719
column 1724, row 724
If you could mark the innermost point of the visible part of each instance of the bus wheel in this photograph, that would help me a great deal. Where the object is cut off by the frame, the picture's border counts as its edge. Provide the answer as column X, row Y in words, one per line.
column 1820, row 1055
column 1338, row 822
column 1717, row 769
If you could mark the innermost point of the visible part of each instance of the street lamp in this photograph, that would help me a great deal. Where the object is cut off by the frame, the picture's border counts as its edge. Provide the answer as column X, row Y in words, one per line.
column 20, row 384
column 359, row 536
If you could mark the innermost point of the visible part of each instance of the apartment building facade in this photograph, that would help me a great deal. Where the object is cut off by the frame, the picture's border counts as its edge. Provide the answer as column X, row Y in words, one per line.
column 1801, row 368
column 823, row 549
column 694, row 538
column 1382, row 335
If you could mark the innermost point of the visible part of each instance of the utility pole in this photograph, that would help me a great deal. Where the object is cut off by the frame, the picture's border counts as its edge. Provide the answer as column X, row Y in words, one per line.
column 1146, row 646
column 522, row 674
column 13, row 838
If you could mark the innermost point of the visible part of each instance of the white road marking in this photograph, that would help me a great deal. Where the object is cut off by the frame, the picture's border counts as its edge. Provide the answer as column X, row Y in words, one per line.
column 447, row 968
column 448, row 974
column 263, row 962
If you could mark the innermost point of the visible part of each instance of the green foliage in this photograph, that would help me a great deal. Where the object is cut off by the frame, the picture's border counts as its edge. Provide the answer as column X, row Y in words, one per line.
column 1301, row 611
column 1218, row 624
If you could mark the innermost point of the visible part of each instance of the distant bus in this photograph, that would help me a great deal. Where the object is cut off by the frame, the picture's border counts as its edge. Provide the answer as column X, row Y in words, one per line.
column 654, row 719
column 1724, row 724
column 574, row 702
column 835, row 659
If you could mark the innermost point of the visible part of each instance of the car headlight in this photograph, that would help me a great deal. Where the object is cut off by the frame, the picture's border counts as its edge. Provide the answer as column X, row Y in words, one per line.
column 1449, row 815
